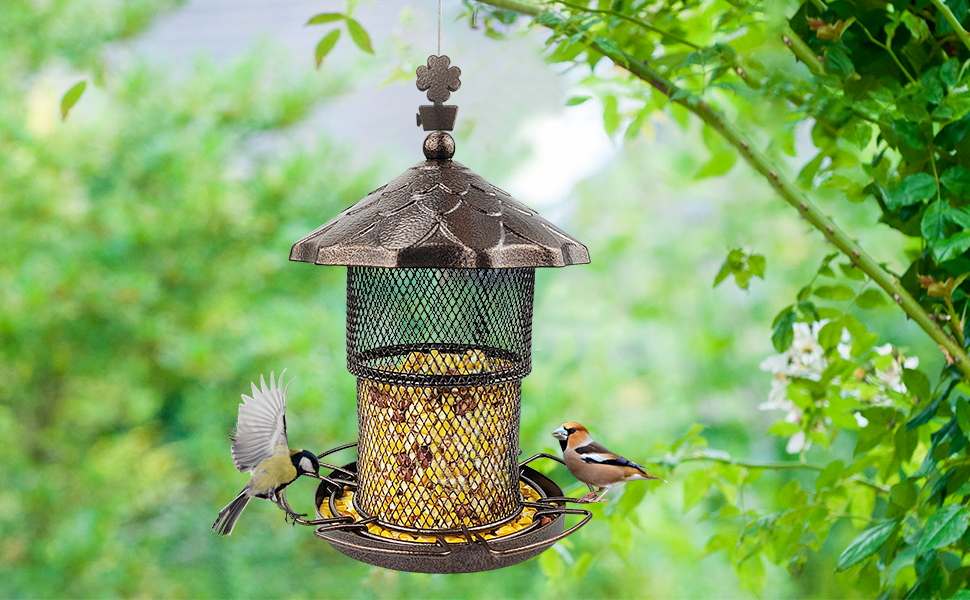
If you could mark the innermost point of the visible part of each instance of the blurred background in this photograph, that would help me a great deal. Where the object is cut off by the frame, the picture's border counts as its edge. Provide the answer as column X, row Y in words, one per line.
column 145, row 281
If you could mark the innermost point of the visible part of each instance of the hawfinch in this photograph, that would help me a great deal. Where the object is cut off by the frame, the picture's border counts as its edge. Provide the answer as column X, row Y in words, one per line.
column 593, row 464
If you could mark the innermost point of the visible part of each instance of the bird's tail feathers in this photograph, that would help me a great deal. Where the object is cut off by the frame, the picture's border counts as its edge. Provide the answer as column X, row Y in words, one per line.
column 228, row 516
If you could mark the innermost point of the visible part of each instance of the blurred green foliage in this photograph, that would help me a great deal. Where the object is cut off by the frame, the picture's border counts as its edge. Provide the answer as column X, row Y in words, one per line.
column 144, row 282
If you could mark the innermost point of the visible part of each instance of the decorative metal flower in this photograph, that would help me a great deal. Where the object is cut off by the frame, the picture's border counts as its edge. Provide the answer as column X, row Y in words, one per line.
column 439, row 78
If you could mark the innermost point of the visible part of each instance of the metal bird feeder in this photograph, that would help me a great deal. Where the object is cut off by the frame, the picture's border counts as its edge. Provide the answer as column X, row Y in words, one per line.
column 440, row 280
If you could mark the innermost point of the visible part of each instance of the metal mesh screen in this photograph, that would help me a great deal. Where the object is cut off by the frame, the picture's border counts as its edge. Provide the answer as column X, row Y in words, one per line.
column 433, row 458
column 478, row 321
column 439, row 355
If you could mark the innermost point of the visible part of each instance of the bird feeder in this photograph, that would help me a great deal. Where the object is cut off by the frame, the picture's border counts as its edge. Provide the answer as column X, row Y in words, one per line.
column 440, row 281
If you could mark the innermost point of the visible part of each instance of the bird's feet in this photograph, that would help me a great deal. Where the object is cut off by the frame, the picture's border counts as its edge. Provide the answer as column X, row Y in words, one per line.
column 293, row 517
column 590, row 497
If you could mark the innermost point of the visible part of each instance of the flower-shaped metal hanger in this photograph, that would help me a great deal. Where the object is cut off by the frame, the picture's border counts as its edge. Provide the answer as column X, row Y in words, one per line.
column 439, row 79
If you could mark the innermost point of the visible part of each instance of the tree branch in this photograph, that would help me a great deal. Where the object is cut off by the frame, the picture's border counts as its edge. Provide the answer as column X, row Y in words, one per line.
column 782, row 186
column 637, row 22
column 775, row 466
column 802, row 51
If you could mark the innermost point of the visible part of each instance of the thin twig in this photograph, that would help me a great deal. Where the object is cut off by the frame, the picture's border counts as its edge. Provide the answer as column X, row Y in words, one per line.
column 633, row 20
column 953, row 21
column 888, row 49
column 779, row 466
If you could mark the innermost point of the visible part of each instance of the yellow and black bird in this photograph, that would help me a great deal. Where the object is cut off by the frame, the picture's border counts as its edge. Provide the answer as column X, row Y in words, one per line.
column 593, row 464
column 259, row 445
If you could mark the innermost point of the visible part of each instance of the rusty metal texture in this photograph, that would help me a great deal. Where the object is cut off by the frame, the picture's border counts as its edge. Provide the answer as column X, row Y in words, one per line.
column 439, row 213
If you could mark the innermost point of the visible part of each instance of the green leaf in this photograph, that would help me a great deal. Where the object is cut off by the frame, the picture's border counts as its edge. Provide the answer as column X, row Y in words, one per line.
column 71, row 97
column 963, row 414
column 324, row 18
column 837, row 60
column 916, row 26
column 566, row 52
column 957, row 181
column 731, row 263
column 719, row 164
column 865, row 545
column 933, row 225
column 914, row 188
column 871, row 298
column 610, row 48
column 910, row 133
column 953, row 133
column 830, row 335
column 943, row 528
column 917, row 383
column 325, row 46
column 575, row 100
column 852, row 271
column 757, row 264
column 611, row 115
column 834, row 292
column 696, row 485
column 862, row 338
column 784, row 429
column 929, row 411
column 904, row 494
column 955, row 245
column 751, row 574
column 830, row 476
column 932, row 86
column 783, row 334
column 549, row 19
column 950, row 72
column 359, row 35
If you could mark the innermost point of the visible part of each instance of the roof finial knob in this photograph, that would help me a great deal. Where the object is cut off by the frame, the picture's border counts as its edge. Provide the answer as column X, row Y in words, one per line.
column 439, row 146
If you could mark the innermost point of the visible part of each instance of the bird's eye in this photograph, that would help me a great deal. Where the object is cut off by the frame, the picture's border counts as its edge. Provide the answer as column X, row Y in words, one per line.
column 571, row 430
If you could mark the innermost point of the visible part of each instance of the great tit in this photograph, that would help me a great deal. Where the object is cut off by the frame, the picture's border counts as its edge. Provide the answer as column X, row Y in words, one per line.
column 593, row 464
column 259, row 445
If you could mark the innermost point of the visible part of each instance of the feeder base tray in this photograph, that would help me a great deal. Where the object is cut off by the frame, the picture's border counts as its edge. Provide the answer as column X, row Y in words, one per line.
column 475, row 554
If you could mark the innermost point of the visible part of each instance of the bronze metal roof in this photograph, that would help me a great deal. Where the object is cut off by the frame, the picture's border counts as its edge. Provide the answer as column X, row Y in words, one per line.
column 440, row 214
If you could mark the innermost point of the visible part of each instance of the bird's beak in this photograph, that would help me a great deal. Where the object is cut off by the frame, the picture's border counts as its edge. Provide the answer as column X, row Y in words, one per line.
column 560, row 434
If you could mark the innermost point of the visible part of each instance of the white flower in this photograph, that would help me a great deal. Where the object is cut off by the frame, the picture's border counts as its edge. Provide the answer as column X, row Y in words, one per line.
column 804, row 359
column 797, row 443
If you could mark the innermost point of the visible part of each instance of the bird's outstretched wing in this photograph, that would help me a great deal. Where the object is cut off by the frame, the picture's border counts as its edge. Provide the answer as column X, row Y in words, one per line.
column 595, row 453
column 262, row 424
